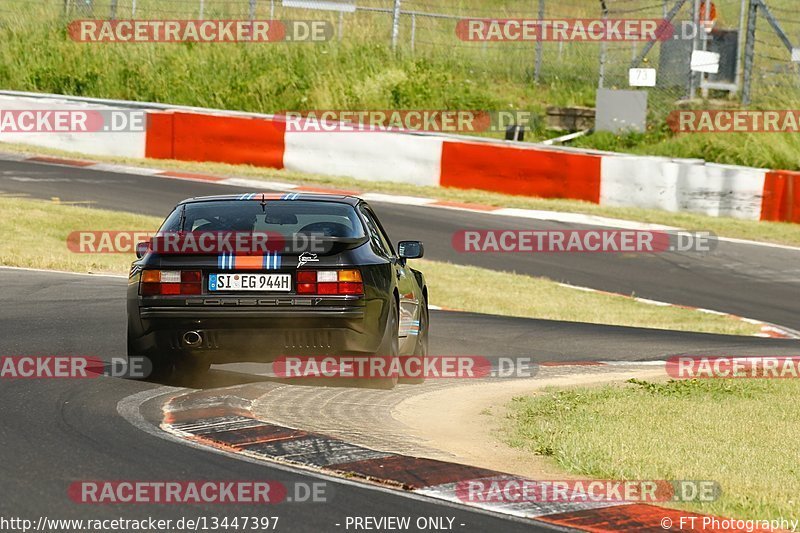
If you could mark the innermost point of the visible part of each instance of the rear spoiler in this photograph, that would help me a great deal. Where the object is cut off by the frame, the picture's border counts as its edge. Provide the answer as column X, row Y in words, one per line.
column 191, row 244
column 335, row 245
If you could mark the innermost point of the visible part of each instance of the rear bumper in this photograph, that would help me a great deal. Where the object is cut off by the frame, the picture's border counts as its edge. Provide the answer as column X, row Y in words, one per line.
column 251, row 333
column 228, row 313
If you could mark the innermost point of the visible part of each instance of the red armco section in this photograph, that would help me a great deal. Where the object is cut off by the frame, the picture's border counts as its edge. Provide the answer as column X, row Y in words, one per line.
column 159, row 140
column 781, row 200
column 217, row 138
column 227, row 424
column 521, row 171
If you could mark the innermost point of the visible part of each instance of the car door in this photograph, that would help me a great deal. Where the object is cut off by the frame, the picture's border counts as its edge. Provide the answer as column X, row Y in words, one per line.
column 409, row 301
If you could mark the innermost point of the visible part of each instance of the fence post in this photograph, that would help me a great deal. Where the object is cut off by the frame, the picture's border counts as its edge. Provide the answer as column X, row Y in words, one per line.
column 740, row 45
column 749, row 51
column 202, row 9
column 601, row 80
column 706, row 37
column 413, row 31
column 692, row 89
column 537, row 70
column 113, row 14
column 252, row 10
column 396, row 24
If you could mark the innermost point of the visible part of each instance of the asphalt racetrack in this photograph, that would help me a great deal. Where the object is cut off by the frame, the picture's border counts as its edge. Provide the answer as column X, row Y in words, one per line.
column 55, row 432
column 753, row 281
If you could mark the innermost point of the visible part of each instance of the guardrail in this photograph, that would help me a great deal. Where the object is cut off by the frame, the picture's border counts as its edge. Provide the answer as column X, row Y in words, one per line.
column 198, row 134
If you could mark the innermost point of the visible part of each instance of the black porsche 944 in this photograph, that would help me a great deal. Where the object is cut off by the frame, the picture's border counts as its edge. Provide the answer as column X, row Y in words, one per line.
column 253, row 277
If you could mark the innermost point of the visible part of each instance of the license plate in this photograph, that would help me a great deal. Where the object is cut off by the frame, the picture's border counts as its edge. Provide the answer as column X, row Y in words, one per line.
column 250, row 282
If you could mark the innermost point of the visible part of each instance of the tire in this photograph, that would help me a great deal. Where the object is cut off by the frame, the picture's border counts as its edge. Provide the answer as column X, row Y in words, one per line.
column 421, row 347
column 390, row 347
column 161, row 368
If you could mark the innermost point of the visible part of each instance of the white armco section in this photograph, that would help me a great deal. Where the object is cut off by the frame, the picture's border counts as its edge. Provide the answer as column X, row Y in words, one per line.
column 123, row 144
column 376, row 156
column 682, row 185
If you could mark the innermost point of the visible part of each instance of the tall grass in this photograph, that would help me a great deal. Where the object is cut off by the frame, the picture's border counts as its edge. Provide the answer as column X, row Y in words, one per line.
column 360, row 71
column 36, row 54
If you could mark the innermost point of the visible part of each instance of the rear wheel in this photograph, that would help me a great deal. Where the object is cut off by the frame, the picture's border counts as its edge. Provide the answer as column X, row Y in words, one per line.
column 160, row 367
column 420, row 348
column 390, row 347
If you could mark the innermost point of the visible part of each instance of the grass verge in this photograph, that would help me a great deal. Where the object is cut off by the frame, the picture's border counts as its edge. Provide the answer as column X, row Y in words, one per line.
column 740, row 433
column 772, row 232
column 37, row 233
column 542, row 298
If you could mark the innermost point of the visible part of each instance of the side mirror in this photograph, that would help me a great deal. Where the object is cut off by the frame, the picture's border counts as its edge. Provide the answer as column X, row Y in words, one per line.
column 142, row 248
column 410, row 249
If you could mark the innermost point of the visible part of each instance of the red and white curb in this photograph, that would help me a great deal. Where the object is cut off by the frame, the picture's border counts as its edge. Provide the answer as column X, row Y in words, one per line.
column 226, row 424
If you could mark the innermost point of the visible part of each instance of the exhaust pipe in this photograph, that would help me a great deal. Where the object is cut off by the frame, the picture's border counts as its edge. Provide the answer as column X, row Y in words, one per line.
column 192, row 339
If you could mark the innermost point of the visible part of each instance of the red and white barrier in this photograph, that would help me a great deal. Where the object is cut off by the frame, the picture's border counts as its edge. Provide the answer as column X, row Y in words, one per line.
column 682, row 185
column 375, row 156
column 121, row 143
column 192, row 134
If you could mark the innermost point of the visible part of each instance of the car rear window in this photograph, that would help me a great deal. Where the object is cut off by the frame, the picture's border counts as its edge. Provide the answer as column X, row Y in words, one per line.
column 285, row 217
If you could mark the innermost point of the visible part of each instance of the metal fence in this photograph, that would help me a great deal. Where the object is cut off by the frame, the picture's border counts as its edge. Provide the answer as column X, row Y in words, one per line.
column 771, row 73
column 755, row 38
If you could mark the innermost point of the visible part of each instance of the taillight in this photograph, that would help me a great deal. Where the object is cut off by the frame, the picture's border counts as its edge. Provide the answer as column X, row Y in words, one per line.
column 171, row 282
column 329, row 282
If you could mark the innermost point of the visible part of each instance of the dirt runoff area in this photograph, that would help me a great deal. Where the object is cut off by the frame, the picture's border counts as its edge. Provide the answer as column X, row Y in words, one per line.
column 465, row 421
